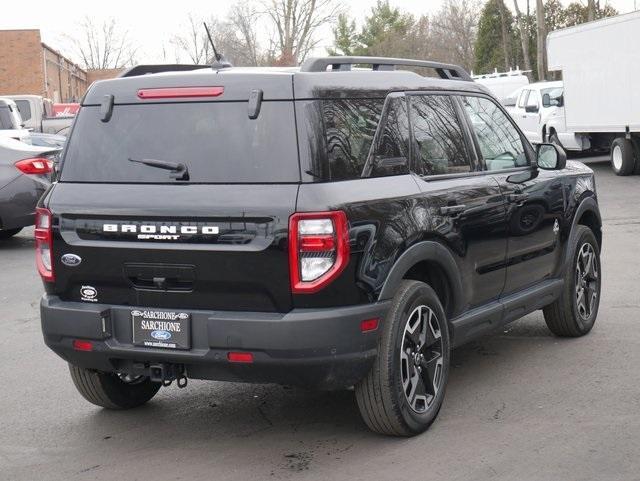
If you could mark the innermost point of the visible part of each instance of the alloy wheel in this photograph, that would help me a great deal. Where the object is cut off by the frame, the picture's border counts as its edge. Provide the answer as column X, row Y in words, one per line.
column 421, row 358
column 587, row 280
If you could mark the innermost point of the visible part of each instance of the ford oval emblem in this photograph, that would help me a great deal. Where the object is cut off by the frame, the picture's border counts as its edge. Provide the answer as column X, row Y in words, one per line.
column 71, row 260
column 161, row 335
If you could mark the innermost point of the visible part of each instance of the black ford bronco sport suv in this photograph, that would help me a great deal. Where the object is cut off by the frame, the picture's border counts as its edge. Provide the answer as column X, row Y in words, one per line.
column 345, row 223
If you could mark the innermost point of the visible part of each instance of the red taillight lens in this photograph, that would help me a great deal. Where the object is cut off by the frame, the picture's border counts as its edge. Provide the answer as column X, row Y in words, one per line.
column 44, row 244
column 318, row 249
column 39, row 165
column 243, row 357
column 369, row 325
column 180, row 92
column 79, row 345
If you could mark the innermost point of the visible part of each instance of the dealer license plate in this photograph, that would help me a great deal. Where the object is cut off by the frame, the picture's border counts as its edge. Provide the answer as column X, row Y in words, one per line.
column 165, row 329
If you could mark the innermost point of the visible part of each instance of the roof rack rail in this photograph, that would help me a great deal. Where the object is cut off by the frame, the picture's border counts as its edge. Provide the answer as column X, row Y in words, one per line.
column 148, row 69
column 444, row 70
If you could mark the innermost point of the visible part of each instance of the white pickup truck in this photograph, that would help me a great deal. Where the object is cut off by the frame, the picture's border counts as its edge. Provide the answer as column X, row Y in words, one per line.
column 38, row 115
column 539, row 111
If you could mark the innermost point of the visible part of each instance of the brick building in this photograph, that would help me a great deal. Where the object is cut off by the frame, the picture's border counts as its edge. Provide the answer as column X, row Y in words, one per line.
column 29, row 66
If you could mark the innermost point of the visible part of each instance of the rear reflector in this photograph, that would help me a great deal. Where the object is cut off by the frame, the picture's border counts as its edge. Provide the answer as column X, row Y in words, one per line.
column 245, row 357
column 79, row 345
column 180, row 92
column 369, row 325
column 37, row 165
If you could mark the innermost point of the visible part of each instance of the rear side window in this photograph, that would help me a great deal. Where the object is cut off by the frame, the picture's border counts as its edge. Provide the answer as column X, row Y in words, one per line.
column 350, row 126
column 440, row 146
column 391, row 153
column 217, row 141
column 24, row 107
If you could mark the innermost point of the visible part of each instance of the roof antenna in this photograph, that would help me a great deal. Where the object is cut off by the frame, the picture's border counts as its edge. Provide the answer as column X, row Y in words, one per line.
column 218, row 59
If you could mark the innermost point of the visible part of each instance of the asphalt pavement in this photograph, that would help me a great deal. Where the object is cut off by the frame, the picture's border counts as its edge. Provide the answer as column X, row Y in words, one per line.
column 520, row 405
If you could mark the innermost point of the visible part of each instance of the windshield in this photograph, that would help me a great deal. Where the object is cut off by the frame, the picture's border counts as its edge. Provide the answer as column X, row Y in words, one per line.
column 216, row 141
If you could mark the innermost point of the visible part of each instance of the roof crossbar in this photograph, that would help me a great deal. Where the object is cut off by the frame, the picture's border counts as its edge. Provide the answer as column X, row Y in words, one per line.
column 444, row 70
column 149, row 69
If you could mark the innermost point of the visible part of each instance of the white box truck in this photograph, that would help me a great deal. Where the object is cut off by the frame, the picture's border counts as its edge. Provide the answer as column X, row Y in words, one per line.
column 600, row 65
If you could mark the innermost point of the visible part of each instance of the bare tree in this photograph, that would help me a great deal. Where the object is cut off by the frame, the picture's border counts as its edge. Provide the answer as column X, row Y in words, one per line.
column 193, row 41
column 103, row 46
column 591, row 10
column 524, row 35
column 296, row 23
column 541, row 33
column 453, row 32
column 234, row 37
column 242, row 20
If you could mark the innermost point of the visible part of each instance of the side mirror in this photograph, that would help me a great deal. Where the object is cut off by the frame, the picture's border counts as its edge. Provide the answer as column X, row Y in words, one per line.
column 546, row 100
column 531, row 109
column 551, row 157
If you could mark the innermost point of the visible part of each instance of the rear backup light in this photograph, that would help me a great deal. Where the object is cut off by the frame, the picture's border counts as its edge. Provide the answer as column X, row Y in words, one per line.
column 318, row 249
column 44, row 241
column 38, row 165
column 79, row 345
column 180, row 92
column 244, row 357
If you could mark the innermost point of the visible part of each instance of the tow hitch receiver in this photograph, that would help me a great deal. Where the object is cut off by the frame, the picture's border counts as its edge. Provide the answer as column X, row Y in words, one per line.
column 167, row 373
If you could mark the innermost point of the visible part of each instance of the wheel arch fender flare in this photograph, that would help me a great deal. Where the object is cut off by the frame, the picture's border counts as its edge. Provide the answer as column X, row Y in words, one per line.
column 431, row 251
column 588, row 204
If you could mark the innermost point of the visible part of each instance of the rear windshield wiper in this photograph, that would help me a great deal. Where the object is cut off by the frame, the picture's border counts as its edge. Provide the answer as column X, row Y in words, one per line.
column 179, row 171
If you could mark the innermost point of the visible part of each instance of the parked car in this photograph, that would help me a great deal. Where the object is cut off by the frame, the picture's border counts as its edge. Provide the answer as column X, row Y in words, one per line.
column 38, row 115
column 212, row 224
column 25, row 173
column 11, row 125
column 599, row 61
column 538, row 109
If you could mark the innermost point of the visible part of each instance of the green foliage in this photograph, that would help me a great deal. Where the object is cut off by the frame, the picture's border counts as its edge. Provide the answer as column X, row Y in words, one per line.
column 576, row 13
column 490, row 47
column 345, row 41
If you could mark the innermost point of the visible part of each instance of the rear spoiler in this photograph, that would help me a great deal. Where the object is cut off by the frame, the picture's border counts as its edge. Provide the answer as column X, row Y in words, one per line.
column 149, row 69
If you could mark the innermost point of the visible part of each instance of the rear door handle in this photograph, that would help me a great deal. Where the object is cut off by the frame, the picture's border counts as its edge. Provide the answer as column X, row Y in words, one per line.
column 453, row 210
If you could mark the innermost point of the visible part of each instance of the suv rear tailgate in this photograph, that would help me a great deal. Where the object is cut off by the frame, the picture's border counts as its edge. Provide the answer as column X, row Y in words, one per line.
column 235, row 259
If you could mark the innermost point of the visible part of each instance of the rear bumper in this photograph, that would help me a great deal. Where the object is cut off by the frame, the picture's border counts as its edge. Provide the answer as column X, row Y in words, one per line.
column 318, row 348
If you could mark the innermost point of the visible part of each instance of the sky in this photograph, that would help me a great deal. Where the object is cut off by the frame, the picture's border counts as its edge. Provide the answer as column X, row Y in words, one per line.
column 151, row 24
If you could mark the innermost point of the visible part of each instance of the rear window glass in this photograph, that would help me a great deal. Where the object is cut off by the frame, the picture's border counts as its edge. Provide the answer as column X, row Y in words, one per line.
column 217, row 141
column 350, row 126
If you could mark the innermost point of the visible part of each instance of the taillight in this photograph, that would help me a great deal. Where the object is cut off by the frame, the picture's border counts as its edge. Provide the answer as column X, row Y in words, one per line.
column 318, row 249
column 44, row 241
column 38, row 165
column 179, row 92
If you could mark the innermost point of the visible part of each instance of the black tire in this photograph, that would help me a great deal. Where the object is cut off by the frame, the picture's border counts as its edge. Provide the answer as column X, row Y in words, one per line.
column 6, row 234
column 553, row 138
column 566, row 317
column 109, row 391
column 622, row 156
column 384, row 406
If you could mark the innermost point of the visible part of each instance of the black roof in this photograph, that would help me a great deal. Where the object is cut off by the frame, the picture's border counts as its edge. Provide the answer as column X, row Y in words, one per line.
column 327, row 77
